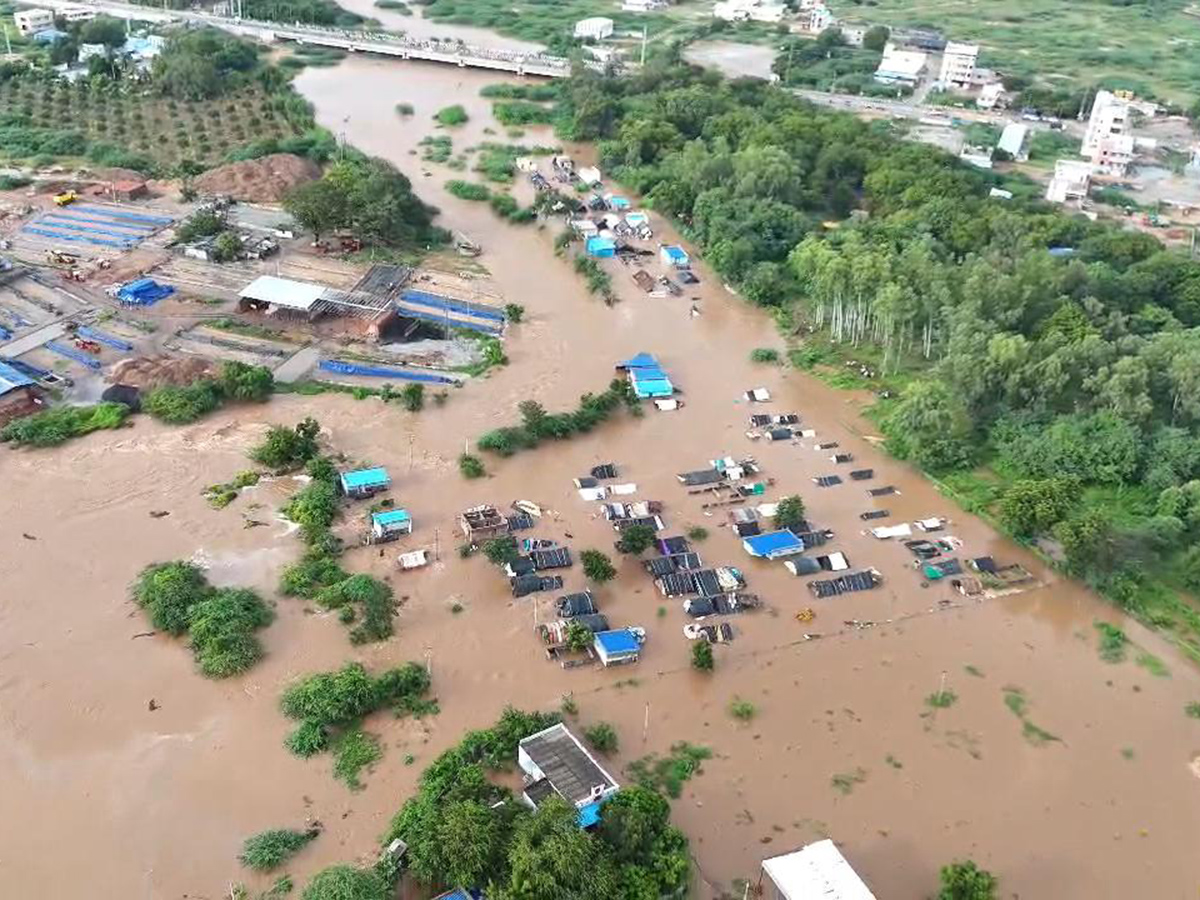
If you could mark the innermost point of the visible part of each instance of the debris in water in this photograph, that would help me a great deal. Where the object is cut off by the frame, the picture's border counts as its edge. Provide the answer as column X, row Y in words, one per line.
column 28, row 537
column 159, row 513
column 152, row 705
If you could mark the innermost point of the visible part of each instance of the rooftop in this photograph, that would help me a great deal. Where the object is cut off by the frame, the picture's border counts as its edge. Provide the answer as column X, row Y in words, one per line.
column 566, row 764
column 11, row 379
column 816, row 872
column 364, row 478
column 283, row 292
column 391, row 517
column 620, row 641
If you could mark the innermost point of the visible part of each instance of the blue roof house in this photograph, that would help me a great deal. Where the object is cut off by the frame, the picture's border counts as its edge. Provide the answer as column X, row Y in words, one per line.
column 773, row 545
column 601, row 247
column 614, row 648
column 365, row 482
column 555, row 762
column 674, row 255
column 647, row 377
column 390, row 524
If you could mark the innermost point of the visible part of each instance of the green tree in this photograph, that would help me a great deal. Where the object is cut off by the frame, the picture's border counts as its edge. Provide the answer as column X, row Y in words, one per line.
column 473, row 837
column 221, row 628
column 578, row 637
column 288, row 448
column 347, row 883
column 319, row 206
column 966, row 881
column 104, row 30
column 636, row 539
column 1033, row 506
column 702, row 656
column 875, row 38
column 227, row 247
column 502, row 550
column 597, row 566
column 168, row 591
column 789, row 513
column 240, row 381
column 412, row 397
column 1086, row 538
column 929, row 425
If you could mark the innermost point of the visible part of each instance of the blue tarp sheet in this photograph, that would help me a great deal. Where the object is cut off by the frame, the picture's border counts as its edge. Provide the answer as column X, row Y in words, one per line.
column 654, row 388
column 11, row 378
column 79, row 238
column 344, row 368
column 5, row 334
column 114, row 342
column 139, row 229
column 641, row 361
column 143, row 292
column 453, row 323
column 71, row 353
column 617, row 643
column 116, row 214
column 437, row 301
column 602, row 247
column 89, row 229
column 773, row 543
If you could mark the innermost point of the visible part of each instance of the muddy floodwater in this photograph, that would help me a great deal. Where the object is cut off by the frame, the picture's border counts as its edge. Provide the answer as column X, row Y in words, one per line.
column 100, row 791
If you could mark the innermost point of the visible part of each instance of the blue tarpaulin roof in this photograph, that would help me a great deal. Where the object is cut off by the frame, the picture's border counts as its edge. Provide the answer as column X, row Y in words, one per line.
column 656, row 387
column 11, row 379
column 617, row 643
column 773, row 543
column 641, row 361
column 391, row 517
column 675, row 253
column 363, row 478
column 598, row 246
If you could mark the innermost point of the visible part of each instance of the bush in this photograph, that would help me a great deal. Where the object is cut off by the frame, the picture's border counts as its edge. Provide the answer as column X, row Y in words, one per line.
column 168, row 591
column 603, row 737
column 182, row 405
column 313, row 506
column 470, row 466
column 222, row 629
column 597, row 566
column 636, row 539
column 270, row 849
column 702, row 656
column 354, row 751
column 521, row 112
column 742, row 710
column 451, row 115
column 288, row 448
column 240, row 381
column 373, row 597
column 966, row 881
column 347, row 883
column 56, row 426
column 514, row 312
column 468, row 190
column 764, row 355
column 412, row 397
column 307, row 740
column 502, row 550
column 697, row 533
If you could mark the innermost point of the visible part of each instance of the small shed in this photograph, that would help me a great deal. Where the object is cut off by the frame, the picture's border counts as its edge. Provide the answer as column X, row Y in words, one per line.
column 601, row 247
column 274, row 295
column 673, row 255
column 365, row 482
column 617, row 647
column 18, row 393
column 802, row 565
column 390, row 524
column 817, row 870
column 773, row 545
column 590, row 175
column 597, row 28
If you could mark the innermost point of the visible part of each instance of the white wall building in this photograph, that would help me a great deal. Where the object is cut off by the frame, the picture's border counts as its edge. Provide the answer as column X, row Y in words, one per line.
column 596, row 28
column 87, row 51
column 958, row 65
column 815, row 872
column 75, row 13
column 31, row 21
column 990, row 95
column 642, row 6
column 900, row 66
column 814, row 17
column 1012, row 141
column 1110, row 118
column 749, row 11
column 1072, row 178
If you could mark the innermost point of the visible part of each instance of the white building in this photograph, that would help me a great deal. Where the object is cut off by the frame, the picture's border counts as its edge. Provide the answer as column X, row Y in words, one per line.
column 1071, row 181
column 555, row 762
column 1012, row 141
column 1114, row 155
column 990, row 95
column 596, row 28
column 814, row 17
column 749, row 11
column 1110, row 118
column 642, row 6
column 852, row 34
column 75, row 13
column 958, row 65
column 900, row 66
column 31, row 21
column 815, row 872
column 87, row 51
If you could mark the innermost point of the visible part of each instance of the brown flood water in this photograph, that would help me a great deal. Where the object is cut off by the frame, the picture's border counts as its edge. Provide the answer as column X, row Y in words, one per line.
column 157, row 803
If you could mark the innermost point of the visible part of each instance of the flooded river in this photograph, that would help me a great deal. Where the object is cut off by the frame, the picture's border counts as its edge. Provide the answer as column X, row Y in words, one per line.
column 157, row 803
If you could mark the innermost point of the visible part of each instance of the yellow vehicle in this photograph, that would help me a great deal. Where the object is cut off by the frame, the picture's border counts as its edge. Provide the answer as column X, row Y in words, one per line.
column 66, row 198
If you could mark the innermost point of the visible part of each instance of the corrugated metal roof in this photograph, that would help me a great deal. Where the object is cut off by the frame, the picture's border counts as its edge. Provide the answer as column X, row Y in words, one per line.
column 364, row 478
column 283, row 292
column 617, row 642
column 11, row 379
column 772, row 542
column 818, row 870
column 1013, row 139
column 391, row 517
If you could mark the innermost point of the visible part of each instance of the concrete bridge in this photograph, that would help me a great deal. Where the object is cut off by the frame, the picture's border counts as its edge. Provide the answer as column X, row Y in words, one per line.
column 376, row 42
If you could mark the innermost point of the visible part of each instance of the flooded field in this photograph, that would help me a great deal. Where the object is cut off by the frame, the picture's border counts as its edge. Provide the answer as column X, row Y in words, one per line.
column 1091, row 792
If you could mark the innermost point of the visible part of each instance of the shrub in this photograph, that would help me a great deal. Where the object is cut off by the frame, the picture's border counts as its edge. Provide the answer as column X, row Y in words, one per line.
column 740, row 709
column 347, row 883
column 502, row 550
column 514, row 312
column 764, row 355
column 468, row 190
column 240, row 381
column 56, row 426
column 521, row 112
column 354, row 751
column 603, row 737
column 578, row 637
column 402, row 109
column 309, row 739
column 470, row 466
column 288, row 448
column 702, row 656
column 270, row 849
column 181, row 405
column 222, row 629
column 1192, row 710
column 451, row 115
column 412, row 397
column 597, row 566
column 314, row 506
column 372, row 596
column 966, row 881
column 168, row 591
column 697, row 533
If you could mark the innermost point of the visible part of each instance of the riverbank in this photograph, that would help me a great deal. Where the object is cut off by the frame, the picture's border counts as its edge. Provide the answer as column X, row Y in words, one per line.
column 843, row 743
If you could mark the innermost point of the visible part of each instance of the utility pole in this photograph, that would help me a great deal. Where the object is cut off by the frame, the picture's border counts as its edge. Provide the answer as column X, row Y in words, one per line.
column 643, row 45
column 7, row 40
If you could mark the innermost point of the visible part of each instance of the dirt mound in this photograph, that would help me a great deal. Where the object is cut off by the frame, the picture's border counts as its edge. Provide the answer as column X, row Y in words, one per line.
column 263, row 180
column 152, row 371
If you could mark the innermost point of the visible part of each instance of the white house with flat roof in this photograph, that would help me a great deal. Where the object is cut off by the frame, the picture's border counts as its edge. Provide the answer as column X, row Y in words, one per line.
column 749, row 11
column 1109, row 118
column 1072, row 178
column 900, row 66
column 31, row 21
column 643, row 6
column 596, row 28
column 817, row 871
column 958, row 65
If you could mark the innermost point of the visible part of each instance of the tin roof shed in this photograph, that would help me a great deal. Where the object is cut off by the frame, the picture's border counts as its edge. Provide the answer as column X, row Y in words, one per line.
column 364, row 479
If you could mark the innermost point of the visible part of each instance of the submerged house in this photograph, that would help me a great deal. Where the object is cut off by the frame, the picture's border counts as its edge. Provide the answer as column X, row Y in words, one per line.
column 773, row 545
column 647, row 376
column 613, row 648
column 390, row 524
column 555, row 762
column 816, row 871
column 365, row 482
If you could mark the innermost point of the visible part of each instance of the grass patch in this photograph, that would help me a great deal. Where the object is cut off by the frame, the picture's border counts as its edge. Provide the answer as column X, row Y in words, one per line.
column 764, row 355
column 451, row 116
column 436, row 148
column 52, row 427
column 271, row 849
column 941, row 699
column 468, row 190
column 1153, row 665
column 973, row 670
column 1018, row 704
column 354, row 751
column 845, row 782
column 742, row 710
column 1113, row 642
column 668, row 774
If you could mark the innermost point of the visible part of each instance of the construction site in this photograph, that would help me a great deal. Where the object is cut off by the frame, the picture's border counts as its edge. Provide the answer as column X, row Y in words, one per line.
column 98, row 289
